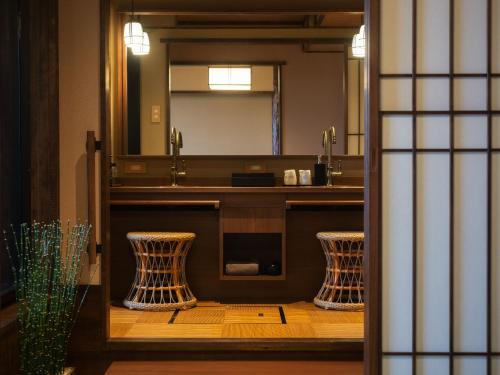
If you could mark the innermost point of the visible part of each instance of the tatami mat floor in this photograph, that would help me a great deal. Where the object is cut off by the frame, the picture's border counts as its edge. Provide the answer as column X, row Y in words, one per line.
column 215, row 320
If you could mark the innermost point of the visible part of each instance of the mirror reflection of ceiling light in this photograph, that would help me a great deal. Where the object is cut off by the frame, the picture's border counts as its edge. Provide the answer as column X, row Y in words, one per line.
column 359, row 43
column 134, row 35
column 144, row 47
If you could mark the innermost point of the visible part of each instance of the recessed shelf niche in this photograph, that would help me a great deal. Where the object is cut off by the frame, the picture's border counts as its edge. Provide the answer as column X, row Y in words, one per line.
column 265, row 249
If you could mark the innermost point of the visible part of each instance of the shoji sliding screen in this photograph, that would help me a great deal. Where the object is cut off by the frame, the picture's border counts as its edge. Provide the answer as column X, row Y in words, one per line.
column 438, row 112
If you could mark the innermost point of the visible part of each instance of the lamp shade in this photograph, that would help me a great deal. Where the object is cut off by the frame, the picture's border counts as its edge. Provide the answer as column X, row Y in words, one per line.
column 143, row 47
column 132, row 33
column 359, row 43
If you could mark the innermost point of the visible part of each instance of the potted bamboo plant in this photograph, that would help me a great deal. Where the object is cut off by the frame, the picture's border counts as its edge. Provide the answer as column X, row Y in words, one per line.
column 46, row 263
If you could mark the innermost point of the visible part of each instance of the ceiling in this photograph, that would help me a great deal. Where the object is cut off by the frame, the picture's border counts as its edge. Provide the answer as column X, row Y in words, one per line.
column 238, row 14
column 253, row 6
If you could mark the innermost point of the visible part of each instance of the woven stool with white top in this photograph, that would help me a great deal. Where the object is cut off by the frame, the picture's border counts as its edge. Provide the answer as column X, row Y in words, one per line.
column 160, row 279
column 343, row 285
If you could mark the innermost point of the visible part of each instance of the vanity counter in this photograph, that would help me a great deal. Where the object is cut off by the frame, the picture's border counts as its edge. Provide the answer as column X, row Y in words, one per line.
column 238, row 190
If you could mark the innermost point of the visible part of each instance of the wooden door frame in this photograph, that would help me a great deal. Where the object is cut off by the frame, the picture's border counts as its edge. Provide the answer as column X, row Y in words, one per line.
column 372, row 223
column 372, row 194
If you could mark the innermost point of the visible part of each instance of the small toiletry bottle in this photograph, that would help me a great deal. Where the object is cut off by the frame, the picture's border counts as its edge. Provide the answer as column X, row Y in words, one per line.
column 320, row 173
column 114, row 174
column 290, row 177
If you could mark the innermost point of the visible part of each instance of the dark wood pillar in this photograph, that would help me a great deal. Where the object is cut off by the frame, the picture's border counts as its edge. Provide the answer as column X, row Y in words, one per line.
column 10, row 154
column 40, row 107
column 10, row 180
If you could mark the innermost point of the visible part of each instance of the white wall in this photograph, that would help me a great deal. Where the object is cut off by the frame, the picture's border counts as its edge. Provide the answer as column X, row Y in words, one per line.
column 224, row 124
column 312, row 90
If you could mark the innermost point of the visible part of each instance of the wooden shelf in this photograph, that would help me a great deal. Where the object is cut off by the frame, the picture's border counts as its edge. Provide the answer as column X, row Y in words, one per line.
column 310, row 190
column 289, row 204
column 178, row 203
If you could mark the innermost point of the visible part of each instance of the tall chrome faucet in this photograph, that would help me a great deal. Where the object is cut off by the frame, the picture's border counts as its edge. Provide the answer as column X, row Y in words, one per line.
column 176, row 142
column 329, row 139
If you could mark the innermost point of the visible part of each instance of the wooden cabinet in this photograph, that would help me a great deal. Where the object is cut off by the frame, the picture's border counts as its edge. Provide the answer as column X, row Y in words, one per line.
column 270, row 224
column 258, row 217
column 252, row 219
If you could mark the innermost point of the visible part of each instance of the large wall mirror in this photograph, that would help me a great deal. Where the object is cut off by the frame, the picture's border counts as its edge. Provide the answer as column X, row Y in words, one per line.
column 244, row 95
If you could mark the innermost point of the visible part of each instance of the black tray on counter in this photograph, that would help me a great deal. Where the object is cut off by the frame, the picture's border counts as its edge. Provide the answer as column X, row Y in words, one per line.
column 253, row 180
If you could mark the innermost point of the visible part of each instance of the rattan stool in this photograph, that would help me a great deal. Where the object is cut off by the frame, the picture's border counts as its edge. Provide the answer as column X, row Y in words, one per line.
column 160, row 279
column 343, row 285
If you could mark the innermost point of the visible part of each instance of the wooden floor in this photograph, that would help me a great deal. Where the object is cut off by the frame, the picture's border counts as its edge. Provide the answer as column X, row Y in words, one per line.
column 213, row 320
column 236, row 368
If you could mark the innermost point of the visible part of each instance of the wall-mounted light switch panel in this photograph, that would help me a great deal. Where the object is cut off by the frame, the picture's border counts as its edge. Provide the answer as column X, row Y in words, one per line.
column 155, row 114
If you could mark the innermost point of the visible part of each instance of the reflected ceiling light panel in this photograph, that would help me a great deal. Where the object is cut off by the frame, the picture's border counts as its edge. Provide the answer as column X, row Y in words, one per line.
column 230, row 78
column 359, row 43
column 142, row 48
column 132, row 32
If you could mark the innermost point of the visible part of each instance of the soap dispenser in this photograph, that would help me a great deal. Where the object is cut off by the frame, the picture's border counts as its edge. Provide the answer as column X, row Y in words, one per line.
column 320, row 172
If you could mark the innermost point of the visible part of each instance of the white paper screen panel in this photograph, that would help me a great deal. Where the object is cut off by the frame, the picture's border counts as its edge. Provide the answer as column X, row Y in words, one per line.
column 471, row 131
column 433, row 132
column 397, row 243
column 433, row 365
column 395, row 94
column 470, row 253
column 397, row 132
column 396, row 36
column 495, row 255
column 433, row 29
column 470, row 94
column 433, row 94
column 397, row 366
column 433, row 252
column 470, row 39
column 469, row 366
column 468, row 169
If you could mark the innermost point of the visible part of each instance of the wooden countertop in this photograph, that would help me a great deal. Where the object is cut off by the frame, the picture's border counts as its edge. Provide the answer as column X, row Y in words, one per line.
column 236, row 190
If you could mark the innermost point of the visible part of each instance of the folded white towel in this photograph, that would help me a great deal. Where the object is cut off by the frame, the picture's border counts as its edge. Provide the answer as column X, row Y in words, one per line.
column 242, row 269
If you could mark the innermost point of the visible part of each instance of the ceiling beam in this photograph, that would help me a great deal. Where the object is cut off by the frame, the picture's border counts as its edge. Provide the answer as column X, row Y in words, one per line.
column 189, row 7
column 245, row 34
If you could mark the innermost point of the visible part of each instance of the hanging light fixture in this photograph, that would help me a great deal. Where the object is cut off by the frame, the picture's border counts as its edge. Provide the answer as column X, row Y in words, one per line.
column 359, row 43
column 133, row 33
column 144, row 47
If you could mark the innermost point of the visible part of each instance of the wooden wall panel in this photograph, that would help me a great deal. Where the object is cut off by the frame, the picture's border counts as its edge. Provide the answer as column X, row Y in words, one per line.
column 40, row 106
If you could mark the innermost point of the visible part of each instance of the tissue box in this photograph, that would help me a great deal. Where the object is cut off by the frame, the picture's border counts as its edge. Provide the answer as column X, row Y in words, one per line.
column 253, row 179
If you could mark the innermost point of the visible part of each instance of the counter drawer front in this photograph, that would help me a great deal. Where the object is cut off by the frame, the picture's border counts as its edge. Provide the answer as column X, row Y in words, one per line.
column 252, row 219
column 254, row 200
